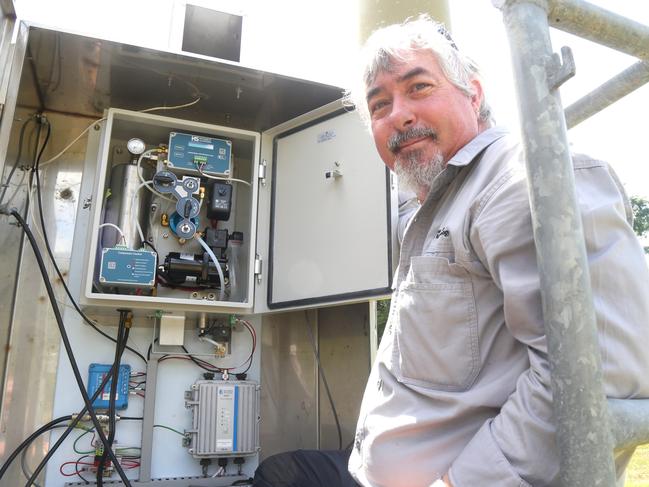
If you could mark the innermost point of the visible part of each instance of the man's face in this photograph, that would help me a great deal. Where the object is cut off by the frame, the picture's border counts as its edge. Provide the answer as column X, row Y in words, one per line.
column 419, row 119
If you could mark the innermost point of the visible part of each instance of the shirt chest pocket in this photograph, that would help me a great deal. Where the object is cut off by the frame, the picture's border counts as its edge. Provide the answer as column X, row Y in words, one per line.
column 436, row 326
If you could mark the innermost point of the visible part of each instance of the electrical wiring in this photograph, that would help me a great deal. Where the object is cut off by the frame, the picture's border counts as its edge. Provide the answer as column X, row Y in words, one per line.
column 76, row 441
column 122, row 337
column 119, row 230
column 67, row 147
column 324, row 381
column 68, row 349
column 28, row 441
column 99, row 120
column 218, row 178
column 73, row 424
column 21, row 138
column 211, row 367
column 169, row 428
column 76, row 469
column 176, row 107
column 43, row 235
column 133, row 200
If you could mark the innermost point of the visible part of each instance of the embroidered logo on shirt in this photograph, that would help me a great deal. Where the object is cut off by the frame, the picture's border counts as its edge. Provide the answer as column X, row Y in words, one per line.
column 442, row 232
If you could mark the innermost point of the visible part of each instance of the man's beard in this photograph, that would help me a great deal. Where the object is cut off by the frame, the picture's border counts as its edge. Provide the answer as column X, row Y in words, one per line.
column 416, row 174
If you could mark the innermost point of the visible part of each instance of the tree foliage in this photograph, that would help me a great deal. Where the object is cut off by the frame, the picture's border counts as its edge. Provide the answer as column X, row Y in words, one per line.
column 640, row 215
column 640, row 208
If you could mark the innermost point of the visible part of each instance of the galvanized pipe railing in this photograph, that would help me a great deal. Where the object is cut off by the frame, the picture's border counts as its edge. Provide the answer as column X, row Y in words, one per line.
column 629, row 420
column 608, row 93
column 600, row 25
column 580, row 408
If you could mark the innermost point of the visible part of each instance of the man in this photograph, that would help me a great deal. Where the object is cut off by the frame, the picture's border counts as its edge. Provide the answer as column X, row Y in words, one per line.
column 460, row 391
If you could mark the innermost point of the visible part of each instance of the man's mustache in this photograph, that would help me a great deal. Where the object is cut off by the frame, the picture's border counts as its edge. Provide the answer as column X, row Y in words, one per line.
column 397, row 139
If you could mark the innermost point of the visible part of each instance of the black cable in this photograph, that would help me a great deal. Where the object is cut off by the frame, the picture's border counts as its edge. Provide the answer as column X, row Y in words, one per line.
column 17, row 161
column 214, row 368
column 146, row 242
column 122, row 337
column 29, row 440
column 74, row 422
column 78, row 472
column 324, row 381
column 53, row 260
column 68, row 350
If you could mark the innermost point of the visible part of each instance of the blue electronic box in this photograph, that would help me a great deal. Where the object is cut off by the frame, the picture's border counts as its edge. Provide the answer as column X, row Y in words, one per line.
column 97, row 373
column 199, row 153
column 123, row 267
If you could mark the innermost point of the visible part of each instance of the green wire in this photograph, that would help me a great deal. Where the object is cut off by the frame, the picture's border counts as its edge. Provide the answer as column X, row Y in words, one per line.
column 168, row 428
column 74, row 445
column 76, row 450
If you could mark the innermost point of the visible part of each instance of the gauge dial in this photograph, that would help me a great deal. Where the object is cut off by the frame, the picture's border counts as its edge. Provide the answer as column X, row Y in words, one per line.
column 136, row 146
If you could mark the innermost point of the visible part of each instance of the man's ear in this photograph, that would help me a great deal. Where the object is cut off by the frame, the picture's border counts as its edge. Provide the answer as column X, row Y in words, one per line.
column 477, row 96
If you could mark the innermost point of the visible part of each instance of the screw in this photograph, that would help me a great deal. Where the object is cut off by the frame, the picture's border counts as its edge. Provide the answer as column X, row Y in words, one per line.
column 165, row 235
column 185, row 228
column 194, row 294
column 97, row 126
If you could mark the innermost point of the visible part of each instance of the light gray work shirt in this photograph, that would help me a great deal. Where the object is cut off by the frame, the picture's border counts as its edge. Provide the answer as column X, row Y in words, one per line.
column 462, row 380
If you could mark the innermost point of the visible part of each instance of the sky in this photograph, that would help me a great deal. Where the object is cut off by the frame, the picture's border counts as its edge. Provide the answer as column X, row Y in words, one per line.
column 312, row 40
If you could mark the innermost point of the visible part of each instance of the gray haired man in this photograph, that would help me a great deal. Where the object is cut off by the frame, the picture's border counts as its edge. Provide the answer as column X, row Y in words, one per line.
column 460, row 391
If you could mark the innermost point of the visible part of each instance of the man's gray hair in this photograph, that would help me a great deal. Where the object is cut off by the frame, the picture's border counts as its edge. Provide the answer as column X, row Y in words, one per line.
column 394, row 42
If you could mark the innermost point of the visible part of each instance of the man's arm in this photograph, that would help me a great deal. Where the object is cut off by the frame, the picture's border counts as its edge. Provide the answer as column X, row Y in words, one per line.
column 517, row 447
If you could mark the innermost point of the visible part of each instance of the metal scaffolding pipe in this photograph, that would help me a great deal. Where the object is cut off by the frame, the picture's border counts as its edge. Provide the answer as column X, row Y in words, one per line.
column 600, row 25
column 617, row 87
column 629, row 419
column 580, row 408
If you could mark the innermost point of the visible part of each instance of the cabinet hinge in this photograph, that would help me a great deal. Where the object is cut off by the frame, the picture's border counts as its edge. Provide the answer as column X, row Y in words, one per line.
column 258, row 267
column 262, row 172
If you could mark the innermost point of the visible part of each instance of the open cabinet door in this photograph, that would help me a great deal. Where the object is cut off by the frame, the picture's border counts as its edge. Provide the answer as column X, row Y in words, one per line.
column 331, row 224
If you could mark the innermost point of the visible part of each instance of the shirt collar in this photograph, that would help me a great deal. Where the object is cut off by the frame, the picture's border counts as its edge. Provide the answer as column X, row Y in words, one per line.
column 467, row 153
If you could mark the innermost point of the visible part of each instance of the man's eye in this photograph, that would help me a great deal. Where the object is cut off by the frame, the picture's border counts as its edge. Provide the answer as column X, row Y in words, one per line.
column 420, row 86
column 378, row 106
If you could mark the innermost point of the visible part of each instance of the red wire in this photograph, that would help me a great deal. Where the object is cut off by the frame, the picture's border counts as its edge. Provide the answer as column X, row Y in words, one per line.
column 76, row 463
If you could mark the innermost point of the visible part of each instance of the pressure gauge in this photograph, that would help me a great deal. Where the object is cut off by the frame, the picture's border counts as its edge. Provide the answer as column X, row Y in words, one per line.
column 136, row 146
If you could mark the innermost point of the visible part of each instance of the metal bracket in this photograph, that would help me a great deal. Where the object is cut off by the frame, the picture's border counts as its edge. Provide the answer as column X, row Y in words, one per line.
column 561, row 68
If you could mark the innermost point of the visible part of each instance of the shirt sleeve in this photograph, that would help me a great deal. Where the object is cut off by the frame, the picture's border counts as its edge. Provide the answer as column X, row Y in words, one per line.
column 517, row 447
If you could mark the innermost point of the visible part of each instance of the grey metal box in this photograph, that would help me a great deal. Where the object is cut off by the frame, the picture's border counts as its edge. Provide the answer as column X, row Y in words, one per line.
column 225, row 418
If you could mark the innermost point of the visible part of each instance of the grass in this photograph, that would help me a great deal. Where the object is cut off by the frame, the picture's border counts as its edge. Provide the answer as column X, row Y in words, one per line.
column 637, row 474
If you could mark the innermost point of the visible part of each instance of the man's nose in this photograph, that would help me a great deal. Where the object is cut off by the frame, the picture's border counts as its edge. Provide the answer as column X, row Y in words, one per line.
column 402, row 115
